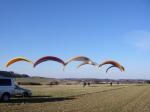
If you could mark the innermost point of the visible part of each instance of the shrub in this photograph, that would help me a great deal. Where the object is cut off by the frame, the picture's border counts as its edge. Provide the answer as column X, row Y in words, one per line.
column 29, row 83
column 53, row 83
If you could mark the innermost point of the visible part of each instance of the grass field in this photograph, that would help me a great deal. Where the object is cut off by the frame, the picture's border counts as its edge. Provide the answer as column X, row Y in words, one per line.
column 75, row 98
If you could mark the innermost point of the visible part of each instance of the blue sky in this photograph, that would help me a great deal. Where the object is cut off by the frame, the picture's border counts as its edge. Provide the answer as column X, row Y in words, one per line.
column 99, row 29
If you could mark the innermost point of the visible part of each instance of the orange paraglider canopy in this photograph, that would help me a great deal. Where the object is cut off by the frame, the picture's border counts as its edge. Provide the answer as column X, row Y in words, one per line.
column 12, row 61
column 114, row 64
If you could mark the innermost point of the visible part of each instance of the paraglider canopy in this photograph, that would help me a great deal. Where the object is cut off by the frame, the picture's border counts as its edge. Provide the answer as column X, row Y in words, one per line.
column 85, row 63
column 84, row 59
column 12, row 61
column 114, row 64
column 49, row 58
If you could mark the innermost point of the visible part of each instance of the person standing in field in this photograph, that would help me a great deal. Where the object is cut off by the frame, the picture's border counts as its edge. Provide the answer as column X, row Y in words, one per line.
column 111, row 83
column 89, row 83
column 84, row 84
column 118, row 82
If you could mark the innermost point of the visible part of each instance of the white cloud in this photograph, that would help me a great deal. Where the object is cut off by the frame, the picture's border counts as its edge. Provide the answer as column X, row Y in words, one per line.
column 142, row 44
column 139, row 39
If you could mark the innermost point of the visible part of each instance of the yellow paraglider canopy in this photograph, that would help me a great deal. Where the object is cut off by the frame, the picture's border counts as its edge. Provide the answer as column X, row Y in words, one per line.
column 10, row 62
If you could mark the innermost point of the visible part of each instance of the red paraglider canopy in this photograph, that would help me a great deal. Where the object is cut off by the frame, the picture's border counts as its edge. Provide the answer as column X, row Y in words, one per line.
column 47, row 58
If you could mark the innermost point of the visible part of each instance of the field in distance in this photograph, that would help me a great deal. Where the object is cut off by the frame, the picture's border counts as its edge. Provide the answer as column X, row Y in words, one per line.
column 75, row 98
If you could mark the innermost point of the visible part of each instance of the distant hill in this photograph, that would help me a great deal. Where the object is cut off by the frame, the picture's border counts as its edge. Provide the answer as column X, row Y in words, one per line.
column 105, row 81
column 40, row 80
column 68, row 81
column 12, row 74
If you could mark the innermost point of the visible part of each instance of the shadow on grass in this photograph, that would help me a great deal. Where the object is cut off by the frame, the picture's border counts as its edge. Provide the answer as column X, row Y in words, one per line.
column 93, row 86
column 38, row 99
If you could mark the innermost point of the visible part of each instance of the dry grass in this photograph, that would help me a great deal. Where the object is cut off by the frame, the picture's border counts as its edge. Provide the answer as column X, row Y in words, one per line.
column 126, row 98
column 68, row 90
